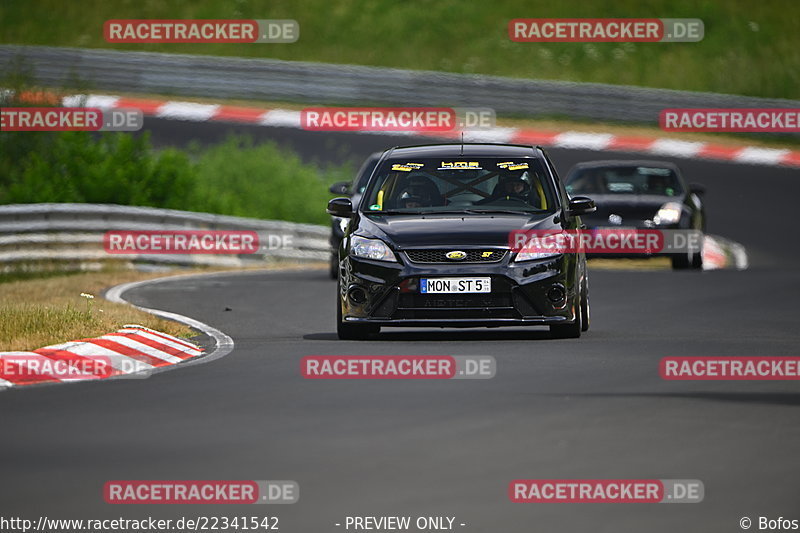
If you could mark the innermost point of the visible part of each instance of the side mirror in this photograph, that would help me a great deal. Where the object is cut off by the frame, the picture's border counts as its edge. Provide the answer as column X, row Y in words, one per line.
column 340, row 207
column 580, row 205
column 340, row 187
column 696, row 188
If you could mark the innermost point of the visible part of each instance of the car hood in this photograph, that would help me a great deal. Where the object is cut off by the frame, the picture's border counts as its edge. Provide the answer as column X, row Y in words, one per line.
column 631, row 206
column 410, row 231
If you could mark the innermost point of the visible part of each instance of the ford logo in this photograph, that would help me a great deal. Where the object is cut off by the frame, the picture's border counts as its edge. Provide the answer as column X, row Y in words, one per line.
column 456, row 255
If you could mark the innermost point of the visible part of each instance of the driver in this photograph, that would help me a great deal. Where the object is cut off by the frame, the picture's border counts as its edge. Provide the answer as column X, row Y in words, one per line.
column 413, row 198
column 514, row 187
column 510, row 187
column 660, row 185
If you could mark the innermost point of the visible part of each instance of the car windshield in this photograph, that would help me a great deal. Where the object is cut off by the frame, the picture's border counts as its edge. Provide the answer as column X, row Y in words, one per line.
column 460, row 184
column 364, row 173
column 624, row 180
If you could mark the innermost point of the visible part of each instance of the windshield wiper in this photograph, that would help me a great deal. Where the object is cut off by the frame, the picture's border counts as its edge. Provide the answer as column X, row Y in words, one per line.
column 499, row 211
column 394, row 212
column 453, row 212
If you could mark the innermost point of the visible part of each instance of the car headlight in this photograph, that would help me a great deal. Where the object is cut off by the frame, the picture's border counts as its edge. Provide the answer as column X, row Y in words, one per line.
column 531, row 256
column 669, row 213
column 371, row 249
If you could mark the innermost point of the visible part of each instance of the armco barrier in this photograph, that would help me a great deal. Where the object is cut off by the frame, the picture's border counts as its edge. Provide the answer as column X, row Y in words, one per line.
column 319, row 83
column 72, row 234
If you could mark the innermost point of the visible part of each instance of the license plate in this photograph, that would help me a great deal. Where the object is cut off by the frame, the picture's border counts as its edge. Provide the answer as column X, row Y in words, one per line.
column 454, row 285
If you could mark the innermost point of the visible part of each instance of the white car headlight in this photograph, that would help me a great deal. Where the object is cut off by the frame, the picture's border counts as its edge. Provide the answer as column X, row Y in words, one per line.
column 531, row 256
column 670, row 213
column 371, row 249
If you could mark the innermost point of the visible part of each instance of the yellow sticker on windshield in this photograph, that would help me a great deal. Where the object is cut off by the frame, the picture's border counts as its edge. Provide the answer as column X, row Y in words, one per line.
column 407, row 167
column 510, row 165
column 460, row 165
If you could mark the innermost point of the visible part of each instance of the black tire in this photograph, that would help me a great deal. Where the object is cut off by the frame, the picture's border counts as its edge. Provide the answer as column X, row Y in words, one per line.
column 352, row 332
column 333, row 268
column 680, row 261
column 570, row 331
column 697, row 260
column 585, row 315
column 688, row 260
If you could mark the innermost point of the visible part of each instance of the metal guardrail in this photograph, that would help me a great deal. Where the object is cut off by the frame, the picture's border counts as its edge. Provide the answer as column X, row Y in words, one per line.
column 230, row 77
column 72, row 236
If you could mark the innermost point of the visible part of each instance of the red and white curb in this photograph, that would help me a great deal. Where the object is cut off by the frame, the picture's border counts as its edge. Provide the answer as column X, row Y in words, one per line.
column 196, row 112
column 721, row 253
column 132, row 351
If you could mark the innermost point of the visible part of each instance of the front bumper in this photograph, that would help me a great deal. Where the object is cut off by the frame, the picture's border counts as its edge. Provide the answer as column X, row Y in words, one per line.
column 387, row 294
column 635, row 225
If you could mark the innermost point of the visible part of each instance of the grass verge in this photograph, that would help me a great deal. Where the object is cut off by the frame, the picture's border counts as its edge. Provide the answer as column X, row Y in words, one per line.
column 39, row 312
column 749, row 48
column 44, row 311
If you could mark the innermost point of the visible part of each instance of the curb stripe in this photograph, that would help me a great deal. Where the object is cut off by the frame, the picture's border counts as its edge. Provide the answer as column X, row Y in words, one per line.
column 672, row 147
column 148, row 107
column 141, row 348
column 128, row 351
column 180, row 349
column 150, row 343
column 18, row 375
column 198, row 112
column 239, row 114
column 628, row 143
column 117, row 359
column 187, row 111
column 176, row 340
column 133, row 349
column 16, row 368
column 62, row 355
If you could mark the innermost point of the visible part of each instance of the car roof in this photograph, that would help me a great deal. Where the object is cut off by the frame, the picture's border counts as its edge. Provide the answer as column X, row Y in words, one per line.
column 462, row 150
column 627, row 163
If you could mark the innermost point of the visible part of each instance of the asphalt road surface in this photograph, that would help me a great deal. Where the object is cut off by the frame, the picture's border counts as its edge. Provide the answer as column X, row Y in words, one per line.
column 589, row 408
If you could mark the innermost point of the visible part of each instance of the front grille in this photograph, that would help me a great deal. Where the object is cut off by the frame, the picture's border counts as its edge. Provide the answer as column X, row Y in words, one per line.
column 497, row 304
column 440, row 256
column 453, row 301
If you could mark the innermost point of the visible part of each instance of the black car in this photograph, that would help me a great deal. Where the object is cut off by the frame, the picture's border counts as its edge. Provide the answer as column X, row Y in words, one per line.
column 428, row 244
column 641, row 195
column 354, row 190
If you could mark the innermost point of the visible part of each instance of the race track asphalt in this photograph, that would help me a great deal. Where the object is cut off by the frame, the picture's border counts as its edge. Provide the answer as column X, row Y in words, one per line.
column 588, row 408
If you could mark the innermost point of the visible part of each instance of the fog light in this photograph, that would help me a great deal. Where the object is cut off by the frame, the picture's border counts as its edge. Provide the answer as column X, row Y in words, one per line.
column 556, row 294
column 357, row 295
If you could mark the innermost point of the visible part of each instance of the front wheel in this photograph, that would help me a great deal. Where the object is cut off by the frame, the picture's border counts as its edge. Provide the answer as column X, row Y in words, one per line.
column 688, row 260
column 352, row 332
column 333, row 267
column 585, row 306
column 571, row 331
